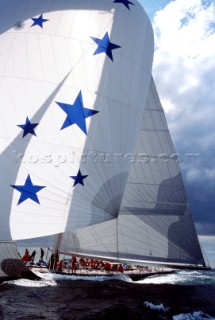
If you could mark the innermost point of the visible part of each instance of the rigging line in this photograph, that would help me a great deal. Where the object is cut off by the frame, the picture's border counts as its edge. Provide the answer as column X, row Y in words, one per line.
column 39, row 142
column 105, row 172
column 26, row 53
column 82, row 50
column 43, row 81
column 48, row 34
column 160, row 232
column 75, row 240
column 58, row 22
column 122, row 235
column 153, row 110
column 156, row 184
column 8, row 53
column 109, row 187
column 142, row 246
column 75, row 11
column 117, row 237
column 147, row 238
column 160, row 237
column 12, row 104
column 137, row 193
column 101, row 241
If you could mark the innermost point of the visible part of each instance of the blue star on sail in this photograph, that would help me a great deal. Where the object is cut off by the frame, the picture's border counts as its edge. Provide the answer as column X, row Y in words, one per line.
column 125, row 2
column 104, row 45
column 79, row 178
column 28, row 127
column 28, row 191
column 39, row 21
column 76, row 113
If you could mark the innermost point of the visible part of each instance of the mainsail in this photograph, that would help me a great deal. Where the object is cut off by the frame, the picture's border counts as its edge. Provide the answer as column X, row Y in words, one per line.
column 155, row 223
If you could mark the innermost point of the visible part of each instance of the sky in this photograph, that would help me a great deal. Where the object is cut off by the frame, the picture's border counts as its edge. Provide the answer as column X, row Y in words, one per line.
column 184, row 73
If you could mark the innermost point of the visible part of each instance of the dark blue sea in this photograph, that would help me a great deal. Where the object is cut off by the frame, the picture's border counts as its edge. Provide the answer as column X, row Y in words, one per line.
column 184, row 295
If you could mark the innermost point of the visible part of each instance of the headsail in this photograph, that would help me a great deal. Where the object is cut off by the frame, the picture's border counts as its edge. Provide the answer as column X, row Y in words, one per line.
column 69, row 102
column 155, row 223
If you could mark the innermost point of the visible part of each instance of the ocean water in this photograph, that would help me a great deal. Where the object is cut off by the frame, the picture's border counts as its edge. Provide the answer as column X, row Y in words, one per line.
column 183, row 277
column 185, row 295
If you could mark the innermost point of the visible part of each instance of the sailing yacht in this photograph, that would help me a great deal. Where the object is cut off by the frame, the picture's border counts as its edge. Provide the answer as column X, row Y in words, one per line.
column 84, row 137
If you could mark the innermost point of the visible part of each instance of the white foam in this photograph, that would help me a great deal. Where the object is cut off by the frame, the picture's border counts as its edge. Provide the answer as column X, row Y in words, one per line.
column 157, row 307
column 32, row 283
column 198, row 315
column 170, row 278
column 49, row 279
column 57, row 276
column 182, row 277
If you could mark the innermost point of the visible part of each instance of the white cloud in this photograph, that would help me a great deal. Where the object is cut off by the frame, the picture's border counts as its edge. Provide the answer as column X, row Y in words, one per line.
column 193, row 174
column 184, row 32
column 207, row 238
column 184, row 73
column 185, row 50
column 207, row 243
column 197, row 174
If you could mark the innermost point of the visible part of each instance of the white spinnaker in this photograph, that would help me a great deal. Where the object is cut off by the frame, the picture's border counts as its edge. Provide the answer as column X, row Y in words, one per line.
column 42, row 66
column 155, row 223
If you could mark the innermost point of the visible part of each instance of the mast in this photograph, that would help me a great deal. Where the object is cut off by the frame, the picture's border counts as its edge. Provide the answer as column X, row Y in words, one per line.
column 57, row 243
column 117, row 238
